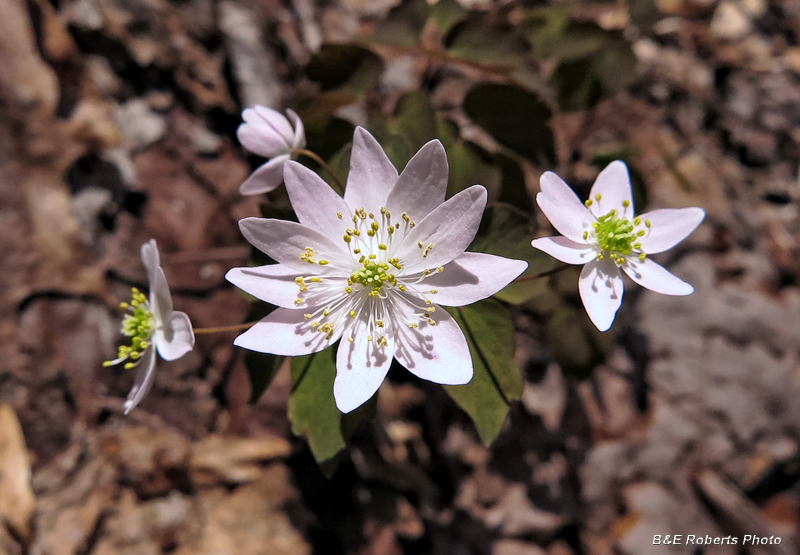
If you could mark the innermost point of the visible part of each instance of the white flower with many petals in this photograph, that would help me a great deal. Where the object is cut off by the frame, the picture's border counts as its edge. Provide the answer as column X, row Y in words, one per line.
column 604, row 234
column 152, row 326
column 372, row 269
column 270, row 134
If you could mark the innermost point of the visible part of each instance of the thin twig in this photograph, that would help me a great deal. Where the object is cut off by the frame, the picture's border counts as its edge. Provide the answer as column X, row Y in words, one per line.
column 324, row 164
column 223, row 329
column 541, row 274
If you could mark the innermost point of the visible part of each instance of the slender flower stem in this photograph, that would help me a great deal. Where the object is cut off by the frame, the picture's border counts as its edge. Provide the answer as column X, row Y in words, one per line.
column 324, row 164
column 224, row 329
column 542, row 274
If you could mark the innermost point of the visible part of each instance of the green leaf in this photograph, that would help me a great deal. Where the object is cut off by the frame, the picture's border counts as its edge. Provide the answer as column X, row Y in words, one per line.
column 261, row 368
column 403, row 24
column 345, row 68
column 474, row 40
column 313, row 412
column 471, row 165
column 415, row 119
column 570, row 337
column 328, row 138
column 447, row 13
column 514, row 191
column 577, row 85
column 496, row 380
column 397, row 149
column 516, row 118
column 507, row 231
column 312, row 408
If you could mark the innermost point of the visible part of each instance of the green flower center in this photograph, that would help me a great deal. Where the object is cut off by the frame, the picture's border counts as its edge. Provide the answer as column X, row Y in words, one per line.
column 138, row 326
column 373, row 275
column 618, row 236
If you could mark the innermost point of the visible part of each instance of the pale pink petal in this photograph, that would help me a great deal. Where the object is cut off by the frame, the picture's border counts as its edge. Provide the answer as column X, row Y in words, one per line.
column 655, row 277
column 422, row 185
column 471, row 277
column 436, row 353
column 175, row 338
column 668, row 227
column 299, row 130
column 371, row 176
column 266, row 178
column 286, row 332
column 566, row 250
column 314, row 202
column 613, row 184
column 145, row 373
column 450, row 228
column 601, row 291
column 361, row 366
column 274, row 283
column 276, row 120
column 285, row 241
column 160, row 297
column 563, row 207
column 259, row 138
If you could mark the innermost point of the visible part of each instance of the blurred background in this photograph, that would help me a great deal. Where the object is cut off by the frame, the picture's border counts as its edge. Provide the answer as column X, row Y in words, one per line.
column 117, row 125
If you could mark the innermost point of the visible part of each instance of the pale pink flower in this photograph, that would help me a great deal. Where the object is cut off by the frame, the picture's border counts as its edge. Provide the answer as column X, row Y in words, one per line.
column 372, row 269
column 604, row 234
column 152, row 326
column 270, row 134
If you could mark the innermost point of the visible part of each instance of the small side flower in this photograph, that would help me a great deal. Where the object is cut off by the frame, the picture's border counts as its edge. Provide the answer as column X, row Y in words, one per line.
column 270, row 134
column 152, row 326
column 604, row 234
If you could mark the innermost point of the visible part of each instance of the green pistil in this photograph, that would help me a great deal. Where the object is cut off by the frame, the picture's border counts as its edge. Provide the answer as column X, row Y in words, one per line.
column 138, row 325
column 373, row 275
column 616, row 235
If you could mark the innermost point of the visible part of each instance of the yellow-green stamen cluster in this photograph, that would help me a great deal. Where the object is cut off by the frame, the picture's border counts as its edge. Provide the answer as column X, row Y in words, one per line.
column 617, row 237
column 373, row 275
column 139, row 326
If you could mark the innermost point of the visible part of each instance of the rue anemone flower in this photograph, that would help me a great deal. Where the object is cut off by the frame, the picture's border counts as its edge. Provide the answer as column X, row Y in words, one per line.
column 372, row 269
column 270, row 134
column 604, row 234
column 152, row 326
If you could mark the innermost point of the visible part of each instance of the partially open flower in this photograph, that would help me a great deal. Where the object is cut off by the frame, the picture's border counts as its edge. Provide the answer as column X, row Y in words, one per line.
column 372, row 269
column 151, row 323
column 604, row 234
column 270, row 134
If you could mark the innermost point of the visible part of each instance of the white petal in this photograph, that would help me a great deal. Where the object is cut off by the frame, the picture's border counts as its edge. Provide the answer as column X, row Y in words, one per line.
column 471, row 277
column 266, row 178
column 601, row 291
column 299, row 130
column 143, row 381
column 655, row 277
column 314, row 202
column 286, row 332
column 563, row 207
column 422, row 185
column 361, row 366
column 450, row 227
column 285, row 241
column 371, row 176
column 160, row 297
column 273, row 284
column 669, row 227
column 613, row 184
column 175, row 338
column 260, row 138
column 565, row 250
column 276, row 120
column 437, row 353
